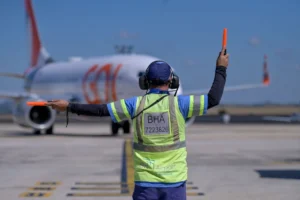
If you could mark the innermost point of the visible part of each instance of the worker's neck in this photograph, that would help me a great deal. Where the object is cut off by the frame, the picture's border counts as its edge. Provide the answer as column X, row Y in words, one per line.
column 163, row 88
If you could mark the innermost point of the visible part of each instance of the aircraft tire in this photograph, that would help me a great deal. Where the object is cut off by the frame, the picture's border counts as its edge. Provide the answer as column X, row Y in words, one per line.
column 36, row 132
column 49, row 131
column 126, row 127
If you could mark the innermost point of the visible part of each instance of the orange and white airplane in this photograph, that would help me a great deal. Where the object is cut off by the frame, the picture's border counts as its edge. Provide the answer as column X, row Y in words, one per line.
column 93, row 81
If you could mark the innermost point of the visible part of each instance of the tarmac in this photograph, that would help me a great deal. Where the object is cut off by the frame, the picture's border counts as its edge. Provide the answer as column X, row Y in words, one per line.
column 84, row 162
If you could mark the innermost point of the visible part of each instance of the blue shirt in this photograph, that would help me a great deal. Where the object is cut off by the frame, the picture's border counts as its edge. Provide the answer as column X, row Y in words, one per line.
column 184, row 106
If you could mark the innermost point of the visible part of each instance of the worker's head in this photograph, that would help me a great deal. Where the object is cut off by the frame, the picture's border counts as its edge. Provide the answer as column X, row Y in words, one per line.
column 159, row 74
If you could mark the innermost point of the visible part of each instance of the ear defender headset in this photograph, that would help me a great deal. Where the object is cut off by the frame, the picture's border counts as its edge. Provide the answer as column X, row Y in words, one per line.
column 144, row 83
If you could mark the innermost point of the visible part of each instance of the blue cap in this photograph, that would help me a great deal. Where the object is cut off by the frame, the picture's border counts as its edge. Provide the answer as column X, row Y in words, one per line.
column 159, row 70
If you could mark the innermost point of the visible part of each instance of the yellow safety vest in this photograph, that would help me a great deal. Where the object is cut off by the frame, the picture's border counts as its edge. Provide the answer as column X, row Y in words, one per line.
column 159, row 147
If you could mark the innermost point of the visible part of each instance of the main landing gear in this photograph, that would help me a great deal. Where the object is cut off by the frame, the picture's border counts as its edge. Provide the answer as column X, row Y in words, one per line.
column 225, row 116
column 125, row 125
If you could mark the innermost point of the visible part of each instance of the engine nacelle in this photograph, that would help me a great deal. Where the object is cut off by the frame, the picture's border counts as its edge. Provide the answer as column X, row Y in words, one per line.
column 36, row 117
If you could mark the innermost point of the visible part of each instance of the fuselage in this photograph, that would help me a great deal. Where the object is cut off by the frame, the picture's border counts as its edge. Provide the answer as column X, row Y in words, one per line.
column 94, row 80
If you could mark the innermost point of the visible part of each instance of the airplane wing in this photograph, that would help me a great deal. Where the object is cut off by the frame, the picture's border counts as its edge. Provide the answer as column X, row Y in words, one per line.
column 265, row 82
column 10, row 95
column 15, row 96
column 279, row 119
column 12, row 75
column 27, row 95
column 228, row 88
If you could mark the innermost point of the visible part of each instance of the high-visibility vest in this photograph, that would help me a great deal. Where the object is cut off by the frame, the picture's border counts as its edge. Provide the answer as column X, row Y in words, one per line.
column 159, row 147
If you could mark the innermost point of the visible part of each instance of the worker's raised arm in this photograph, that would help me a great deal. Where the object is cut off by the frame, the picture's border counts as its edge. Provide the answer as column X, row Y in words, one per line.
column 197, row 105
column 216, row 91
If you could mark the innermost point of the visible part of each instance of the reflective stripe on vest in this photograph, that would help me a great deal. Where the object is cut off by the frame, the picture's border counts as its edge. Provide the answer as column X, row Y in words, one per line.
column 120, row 110
column 148, row 148
column 174, row 129
column 139, row 120
column 194, row 108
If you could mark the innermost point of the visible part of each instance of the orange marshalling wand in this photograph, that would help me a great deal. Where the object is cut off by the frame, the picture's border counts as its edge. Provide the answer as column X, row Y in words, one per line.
column 224, row 42
column 36, row 103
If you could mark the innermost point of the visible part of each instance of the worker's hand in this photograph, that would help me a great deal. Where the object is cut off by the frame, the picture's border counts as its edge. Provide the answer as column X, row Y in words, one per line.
column 222, row 59
column 59, row 105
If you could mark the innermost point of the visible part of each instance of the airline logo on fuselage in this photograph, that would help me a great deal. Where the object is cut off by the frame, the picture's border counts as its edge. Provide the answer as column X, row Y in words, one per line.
column 91, row 84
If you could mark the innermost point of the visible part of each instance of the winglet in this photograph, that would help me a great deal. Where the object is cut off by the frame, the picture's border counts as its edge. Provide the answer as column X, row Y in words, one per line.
column 266, row 76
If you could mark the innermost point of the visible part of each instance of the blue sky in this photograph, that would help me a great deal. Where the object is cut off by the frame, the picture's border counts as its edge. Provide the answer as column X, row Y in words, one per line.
column 187, row 34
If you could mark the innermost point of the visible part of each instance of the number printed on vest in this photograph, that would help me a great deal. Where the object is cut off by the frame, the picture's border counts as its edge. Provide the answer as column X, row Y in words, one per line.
column 156, row 123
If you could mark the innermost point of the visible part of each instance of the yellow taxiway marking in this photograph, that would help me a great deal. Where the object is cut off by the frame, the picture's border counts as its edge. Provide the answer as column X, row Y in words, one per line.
column 118, row 188
column 95, row 188
column 42, row 188
column 119, row 194
column 129, row 166
column 112, row 183
column 97, row 194
column 35, row 194
column 48, row 183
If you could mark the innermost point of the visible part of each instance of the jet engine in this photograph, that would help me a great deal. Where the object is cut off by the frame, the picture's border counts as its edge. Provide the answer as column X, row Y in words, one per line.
column 36, row 117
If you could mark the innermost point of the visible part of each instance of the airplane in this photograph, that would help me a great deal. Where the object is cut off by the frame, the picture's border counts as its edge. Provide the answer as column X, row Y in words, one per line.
column 295, row 117
column 95, row 80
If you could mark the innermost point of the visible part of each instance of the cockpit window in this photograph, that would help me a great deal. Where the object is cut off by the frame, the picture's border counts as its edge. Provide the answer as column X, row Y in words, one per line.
column 140, row 73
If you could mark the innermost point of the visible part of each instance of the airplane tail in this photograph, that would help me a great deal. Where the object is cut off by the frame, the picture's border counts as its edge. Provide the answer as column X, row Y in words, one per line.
column 39, row 55
column 266, row 75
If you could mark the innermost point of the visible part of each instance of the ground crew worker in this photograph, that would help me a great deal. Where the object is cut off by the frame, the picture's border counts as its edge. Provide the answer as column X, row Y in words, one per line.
column 159, row 148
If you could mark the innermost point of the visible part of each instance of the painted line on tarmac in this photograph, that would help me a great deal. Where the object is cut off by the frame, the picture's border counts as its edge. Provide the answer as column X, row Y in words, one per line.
column 39, row 190
column 95, row 188
column 194, row 194
column 42, row 188
column 118, row 188
column 36, row 194
column 100, row 183
column 97, row 194
column 111, row 183
column 48, row 183
column 127, row 168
